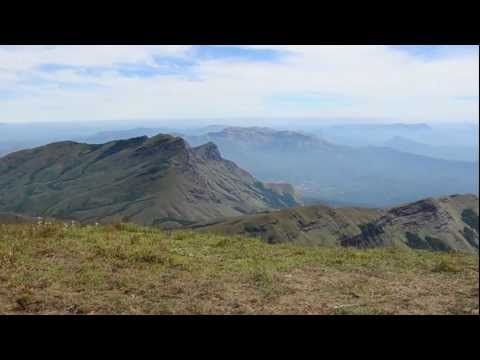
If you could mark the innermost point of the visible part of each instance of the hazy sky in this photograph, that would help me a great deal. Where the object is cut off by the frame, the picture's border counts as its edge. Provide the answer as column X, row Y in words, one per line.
column 400, row 83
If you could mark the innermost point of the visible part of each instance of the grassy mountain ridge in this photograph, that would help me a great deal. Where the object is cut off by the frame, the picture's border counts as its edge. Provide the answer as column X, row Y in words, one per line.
column 144, row 180
column 315, row 225
column 448, row 223
column 114, row 135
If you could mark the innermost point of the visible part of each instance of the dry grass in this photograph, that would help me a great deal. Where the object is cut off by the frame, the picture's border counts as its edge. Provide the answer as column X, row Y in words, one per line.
column 126, row 269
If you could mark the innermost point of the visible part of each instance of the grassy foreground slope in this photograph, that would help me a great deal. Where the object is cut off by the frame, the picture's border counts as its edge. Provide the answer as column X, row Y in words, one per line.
column 127, row 269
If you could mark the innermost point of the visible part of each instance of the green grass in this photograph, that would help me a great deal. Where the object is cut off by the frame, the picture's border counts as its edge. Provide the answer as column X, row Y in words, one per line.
column 126, row 268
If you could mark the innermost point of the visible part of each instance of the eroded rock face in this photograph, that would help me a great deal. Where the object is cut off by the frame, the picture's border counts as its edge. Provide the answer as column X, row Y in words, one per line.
column 423, row 206
column 418, row 214
column 430, row 224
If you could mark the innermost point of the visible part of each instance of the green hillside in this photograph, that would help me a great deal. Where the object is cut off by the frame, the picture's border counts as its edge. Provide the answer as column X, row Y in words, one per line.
column 127, row 269
column 313, row 225
column 448, row 223
column 151, row 181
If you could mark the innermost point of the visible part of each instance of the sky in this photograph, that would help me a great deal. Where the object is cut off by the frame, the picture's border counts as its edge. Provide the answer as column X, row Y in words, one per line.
column 374, row 83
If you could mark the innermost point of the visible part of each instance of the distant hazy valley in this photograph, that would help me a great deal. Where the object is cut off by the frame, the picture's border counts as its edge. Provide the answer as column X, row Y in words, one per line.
column 320, row 170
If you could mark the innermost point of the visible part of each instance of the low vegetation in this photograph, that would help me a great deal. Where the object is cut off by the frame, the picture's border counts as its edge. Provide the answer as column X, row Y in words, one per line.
column 128, row 269
column 439, row 224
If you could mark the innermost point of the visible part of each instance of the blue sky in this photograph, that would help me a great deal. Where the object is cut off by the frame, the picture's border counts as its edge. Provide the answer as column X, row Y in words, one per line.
column 169, row 65
column 238, row 53
column 401, row 83
column 435, row 52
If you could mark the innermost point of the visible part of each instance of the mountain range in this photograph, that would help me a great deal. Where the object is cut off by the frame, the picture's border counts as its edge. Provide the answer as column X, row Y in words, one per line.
column 370, row 176
column 164, row 181
column 370, row 134
column 154, row 181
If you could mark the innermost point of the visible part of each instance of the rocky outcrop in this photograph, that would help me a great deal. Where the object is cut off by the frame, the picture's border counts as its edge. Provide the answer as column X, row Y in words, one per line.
column 430, row 224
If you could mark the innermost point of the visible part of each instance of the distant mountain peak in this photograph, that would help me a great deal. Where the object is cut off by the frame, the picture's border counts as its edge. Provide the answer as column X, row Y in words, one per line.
column 264, row 136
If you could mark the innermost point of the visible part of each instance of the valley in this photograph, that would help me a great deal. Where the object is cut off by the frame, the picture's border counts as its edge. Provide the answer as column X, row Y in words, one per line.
column 370, row 176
